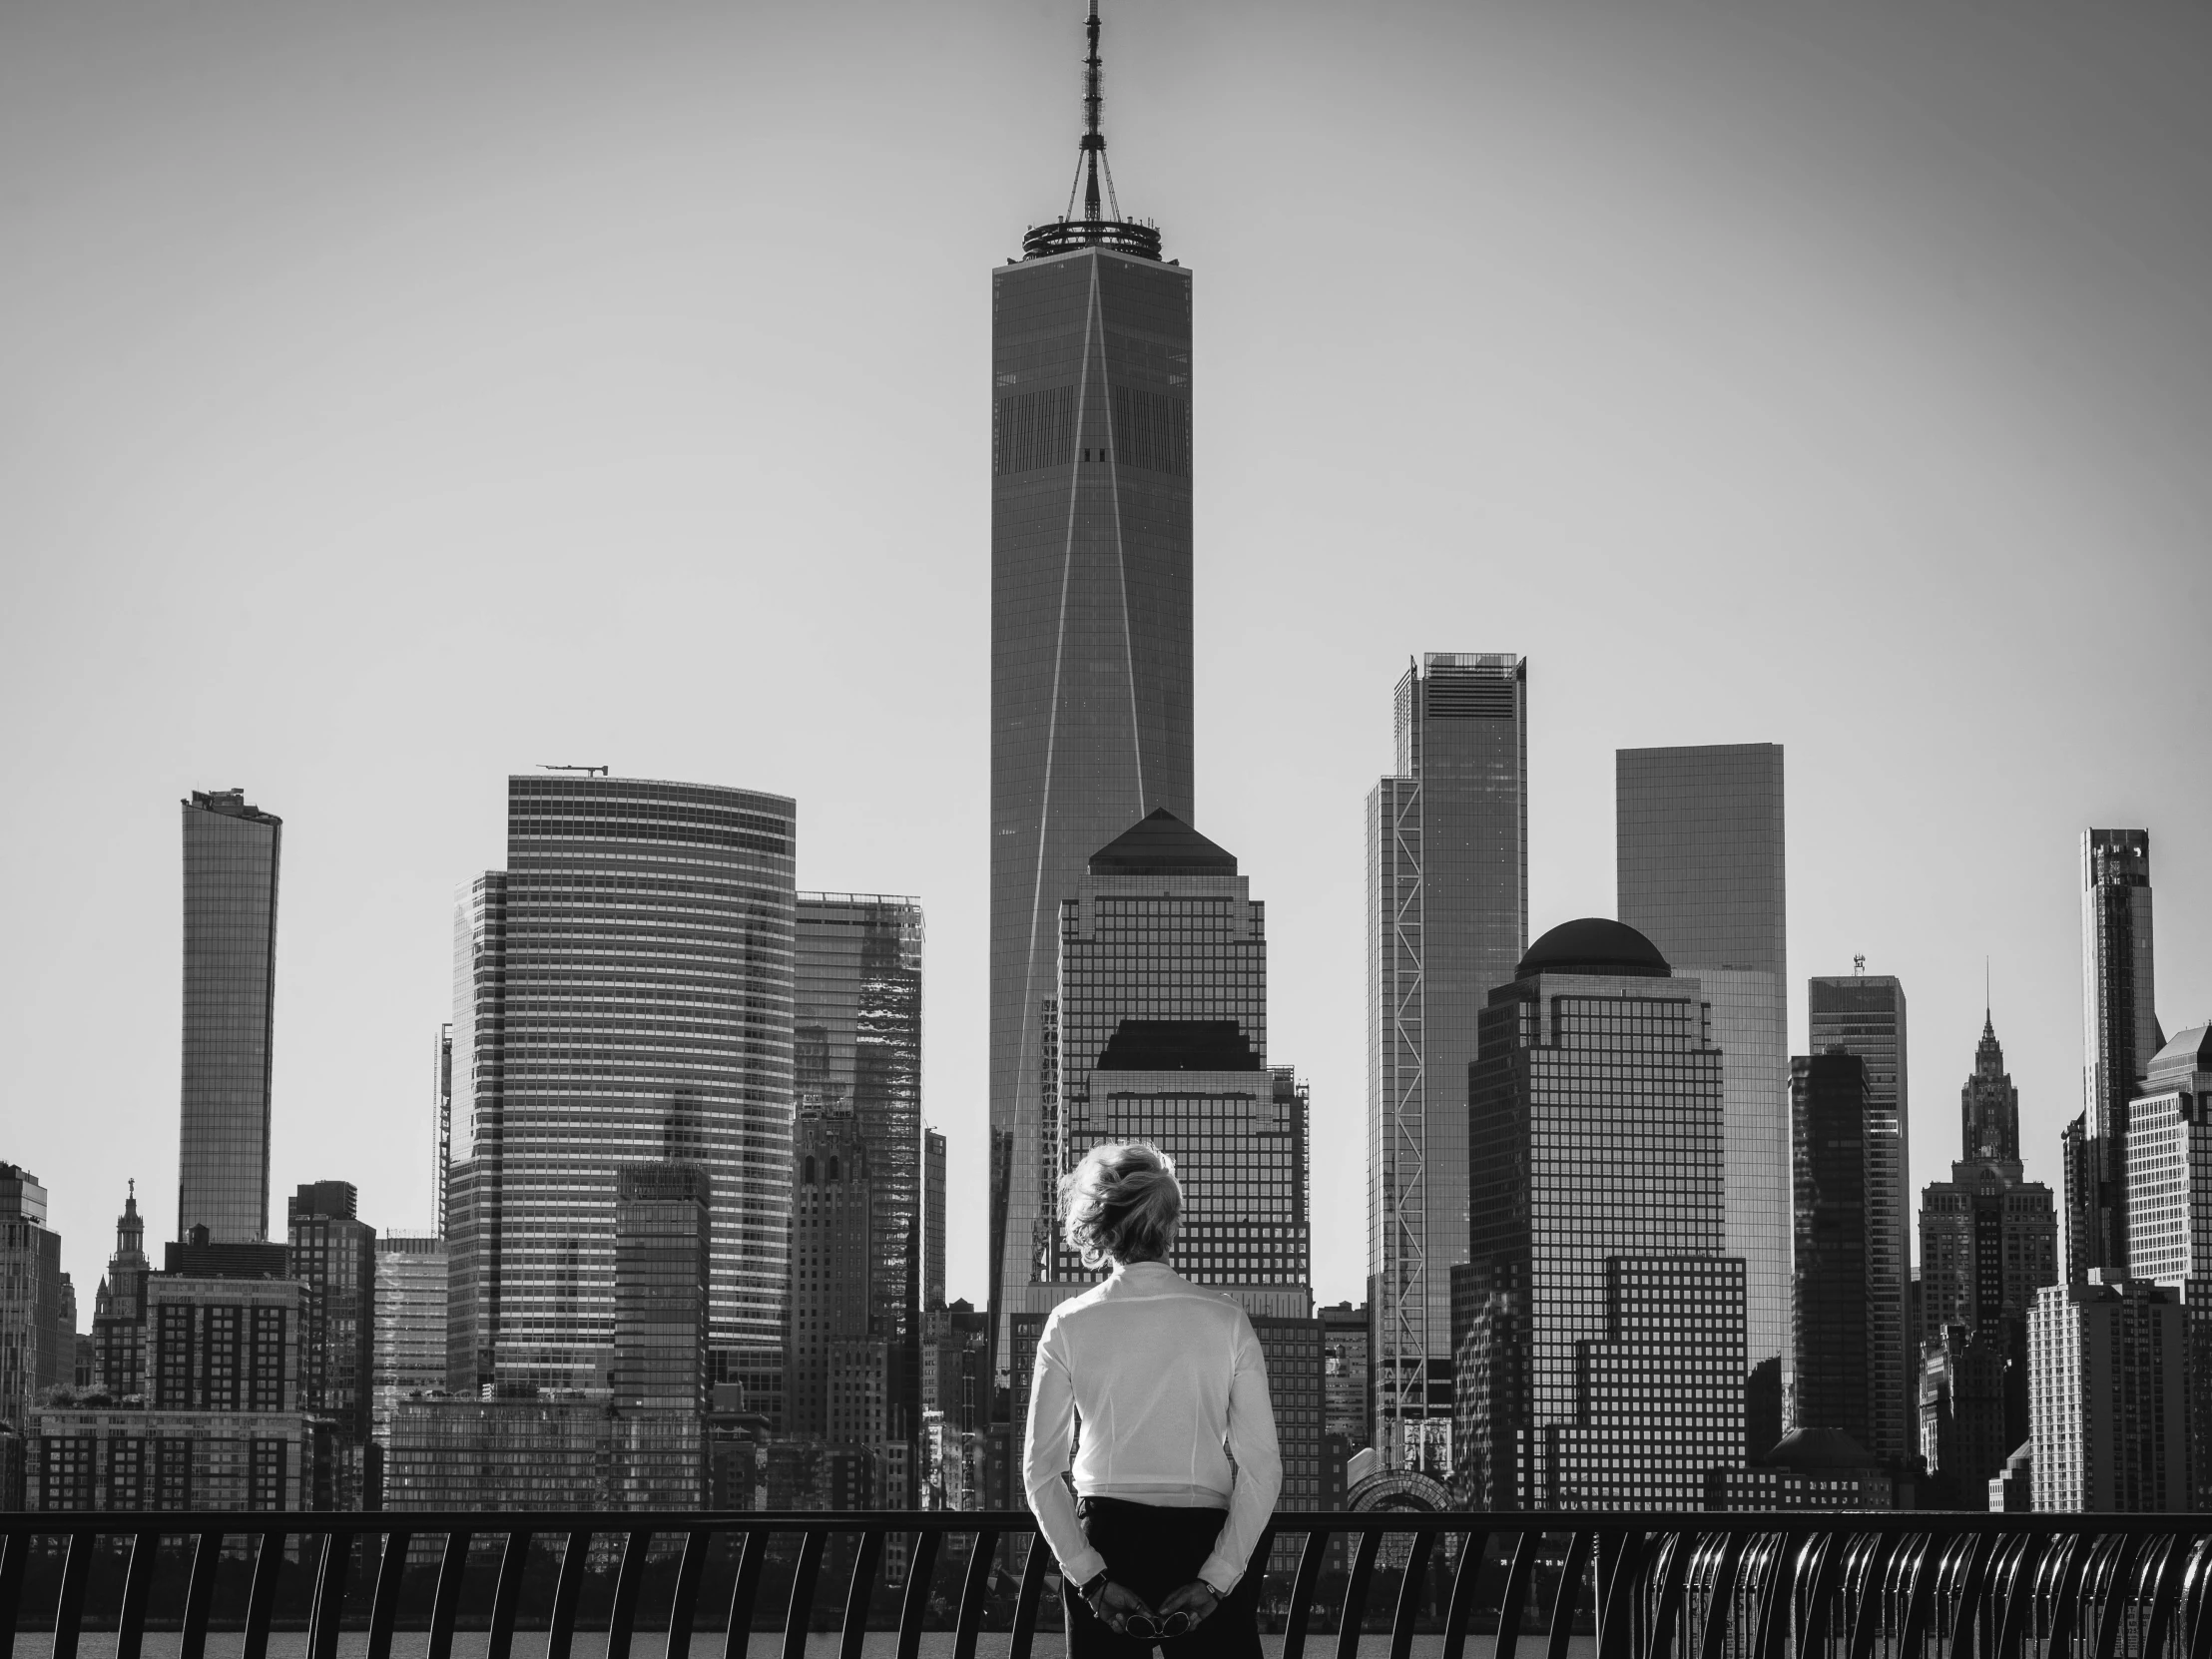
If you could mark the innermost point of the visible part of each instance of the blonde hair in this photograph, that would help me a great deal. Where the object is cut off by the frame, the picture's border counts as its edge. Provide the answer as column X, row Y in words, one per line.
column 1121, row 1203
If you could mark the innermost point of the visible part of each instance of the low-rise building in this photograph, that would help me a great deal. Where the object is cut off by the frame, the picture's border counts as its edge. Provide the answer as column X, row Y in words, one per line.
column 1810, row 1468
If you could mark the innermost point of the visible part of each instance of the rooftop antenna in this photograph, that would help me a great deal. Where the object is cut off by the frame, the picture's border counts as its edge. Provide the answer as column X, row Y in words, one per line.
column 1093, row 156
column 587, row 771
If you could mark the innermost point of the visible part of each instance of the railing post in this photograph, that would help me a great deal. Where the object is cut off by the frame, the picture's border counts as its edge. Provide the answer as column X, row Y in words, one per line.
column 323, row 1620
column 1031, row 1598
column 383, row 1611
column 1570, row 1586
column 445, row 1606
column 1515, row 1603
column 683, row 1609
column 1310, row 1561
column 971, row 1597
column 2113, row 1613
column 858, row 1593
column 68, row 1610
column 138, row 1584
column 200, row 1596
column 738, row 1635
column 1465, row 1579
column 506, row 1601
column 1719, row 1606
column 268, row 1560
column 1409, row 1596
column 621, row 1618
column 560, row 1634
column 1356, row 1595
column 917, row 1610
column 801, row 1608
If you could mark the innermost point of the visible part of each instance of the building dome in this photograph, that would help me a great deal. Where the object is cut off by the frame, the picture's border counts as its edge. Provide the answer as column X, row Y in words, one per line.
column 1811, row 1449
column 1594, row 946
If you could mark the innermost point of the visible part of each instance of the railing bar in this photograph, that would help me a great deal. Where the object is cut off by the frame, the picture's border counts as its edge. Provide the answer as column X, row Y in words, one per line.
column 268, row 1560
column 916, row 1608
column 331, row 1568
column 2200, row 1632
column 971, row 1597
column 200, row 1596
column 1356, row 1596
column 14, row 1551
column 138, row 1584
column 858, row 1593
column 2164, row 1596
column 1570, row 1589
column 622, row 1618
column 2017, row 1595
column 560, row 1634
column 1866, row 1623
column 1465, row 1580
column 506, row 1602
column 682, row 1611
column 1621, row 1557
column 1679, row 1548
column 69, row 1606
column 1516, row 1599
column 1830, row 1558
column 1970, row 1595
column 1409, row 1596
column 2116, row 1598
column 2064, row 1607
column 1032, row 1595
column 1919, row 1594
column 737, row 1636
column 1721, row 1604
column 1774, row 1597
column 384, row 1613
column 799, row 1613
column 446, row 1605
column 1310, row 1561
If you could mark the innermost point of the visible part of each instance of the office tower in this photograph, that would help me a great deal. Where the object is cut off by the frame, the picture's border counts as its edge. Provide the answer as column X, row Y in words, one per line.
column 2119, row 1031
column 663, row 1264
column 1292, row 1351
column 832, row 1259
column 1989, row 1241
column 1963, row 1425
column 1864, row 1014
column 442, row 1158
column 622, row 994
column 1090, row 627
column 1839, row 1379
column 1161, row 1036
column 334, row 1255
column 408, row 1357
column 1596, row 1191
column 32, row 1353
column 2106, row 1398
column 1344, row 1330
column 857, row 1053
column 1448, row 918
column 933, row 1227
column 230, row 852
column 2078, row 1159
column 2169, row 1209
column 119, row 1307
column 1698, row 853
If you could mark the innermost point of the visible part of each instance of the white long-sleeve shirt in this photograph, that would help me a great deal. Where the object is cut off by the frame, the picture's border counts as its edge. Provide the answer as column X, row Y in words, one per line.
column 1171, row 1389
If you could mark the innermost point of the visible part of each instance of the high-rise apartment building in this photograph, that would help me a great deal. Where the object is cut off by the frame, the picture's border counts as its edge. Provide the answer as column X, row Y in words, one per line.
column 1447, row 919
column 1864, row 1014
column 334, row 1256
column 2119, row 1035
column 1595, row 1264
column 623, row 994
column 1090, row 629
column 1699, row 860
column 857, row 1053
column 2169, row 1211
column 231, row 856
column 2107, row 1390
column 36, row 1350
column 409, row 1356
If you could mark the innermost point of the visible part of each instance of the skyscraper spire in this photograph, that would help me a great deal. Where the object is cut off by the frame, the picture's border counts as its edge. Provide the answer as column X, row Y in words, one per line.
column 1100, row 224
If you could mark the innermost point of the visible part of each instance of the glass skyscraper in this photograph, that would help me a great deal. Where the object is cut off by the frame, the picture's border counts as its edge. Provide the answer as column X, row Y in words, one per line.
column 1864, row 1014
column 1602, row 1361
column 1090, row 629
column 1447, row 919
column 623, row 995
column 2119, row 1035
column 231, row 854
column 1699, row 858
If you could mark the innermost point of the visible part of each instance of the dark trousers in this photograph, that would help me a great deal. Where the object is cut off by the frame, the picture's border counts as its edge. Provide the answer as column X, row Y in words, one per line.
column 1154, row 1550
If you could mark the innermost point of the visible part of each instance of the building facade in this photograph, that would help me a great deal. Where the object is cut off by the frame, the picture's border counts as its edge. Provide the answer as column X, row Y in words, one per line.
column 1090, row 633
column 407, row 1356
column 833, row 1252
column 119, row 1307
column 496, row 1454
column 2107, row 1398
column 622, row 994
column 2169, row 1209
column 231, row 864
column 2119, row 1026
column 334, row 1256
column 1864, row 1014
column 1448, row 918
column 1596, row 1187
column 1837, row 1378
column 37, row 1349
column 1699, row 860
column 664, row 1229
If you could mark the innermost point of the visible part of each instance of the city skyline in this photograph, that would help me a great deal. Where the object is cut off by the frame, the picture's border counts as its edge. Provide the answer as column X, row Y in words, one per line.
column 354, row 999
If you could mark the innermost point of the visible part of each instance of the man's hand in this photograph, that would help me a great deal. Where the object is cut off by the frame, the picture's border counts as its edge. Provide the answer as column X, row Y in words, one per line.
column 1195, row 1600
column 1115, row 1604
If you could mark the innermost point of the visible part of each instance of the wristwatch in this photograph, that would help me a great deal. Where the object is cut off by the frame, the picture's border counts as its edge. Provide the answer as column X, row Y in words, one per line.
column 1090, row 1587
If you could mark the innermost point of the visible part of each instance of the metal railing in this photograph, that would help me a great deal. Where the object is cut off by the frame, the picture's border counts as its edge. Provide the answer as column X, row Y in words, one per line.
column 1657, row 1586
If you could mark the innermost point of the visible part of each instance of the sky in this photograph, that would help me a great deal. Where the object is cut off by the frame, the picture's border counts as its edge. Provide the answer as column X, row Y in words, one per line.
column 395, row 397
